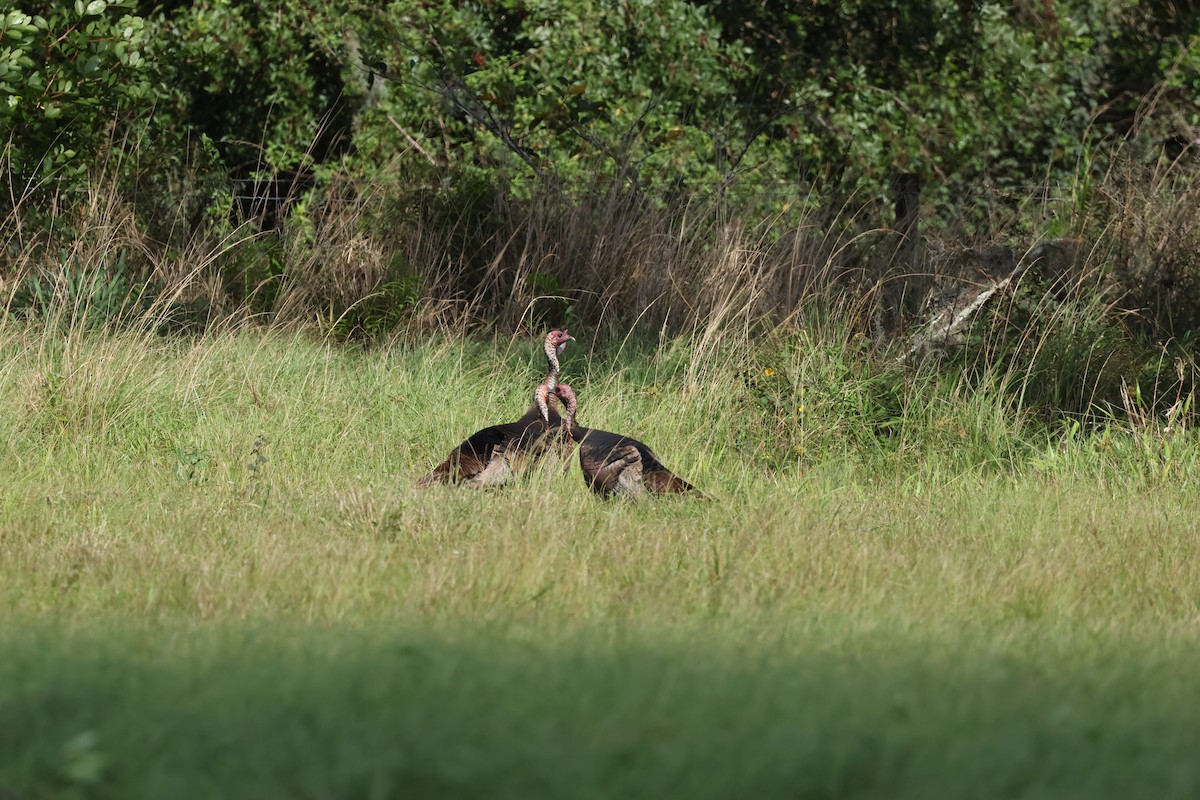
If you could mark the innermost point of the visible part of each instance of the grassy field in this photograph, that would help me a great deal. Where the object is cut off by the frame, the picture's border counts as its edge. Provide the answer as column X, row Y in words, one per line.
column 219, row 580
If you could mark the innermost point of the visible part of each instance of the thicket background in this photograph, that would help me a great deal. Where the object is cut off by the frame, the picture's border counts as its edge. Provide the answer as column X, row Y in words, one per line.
column 686, row 165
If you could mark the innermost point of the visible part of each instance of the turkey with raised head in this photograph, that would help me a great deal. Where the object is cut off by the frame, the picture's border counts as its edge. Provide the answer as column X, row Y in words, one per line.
column 490, row 455
column 614, row 464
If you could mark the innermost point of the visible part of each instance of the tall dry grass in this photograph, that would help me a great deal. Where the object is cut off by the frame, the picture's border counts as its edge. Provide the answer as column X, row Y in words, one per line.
column 404, row 257
column 1102, row 311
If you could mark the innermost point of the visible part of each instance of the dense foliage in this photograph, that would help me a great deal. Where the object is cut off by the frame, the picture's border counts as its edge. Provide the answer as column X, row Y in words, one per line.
column 68, row 73
column 669, row 95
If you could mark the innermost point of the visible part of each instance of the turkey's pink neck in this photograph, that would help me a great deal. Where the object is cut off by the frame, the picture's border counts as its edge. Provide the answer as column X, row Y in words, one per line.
column 543, row 396
column 570, row 405
column 552, row 360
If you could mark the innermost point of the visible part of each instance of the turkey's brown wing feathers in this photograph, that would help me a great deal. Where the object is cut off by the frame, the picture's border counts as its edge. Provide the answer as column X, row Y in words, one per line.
column 616, row 464
column 487, row 457
column 619, row 471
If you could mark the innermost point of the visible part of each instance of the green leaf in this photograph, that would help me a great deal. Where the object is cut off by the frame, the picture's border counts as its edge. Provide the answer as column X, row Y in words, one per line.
column 95, row 8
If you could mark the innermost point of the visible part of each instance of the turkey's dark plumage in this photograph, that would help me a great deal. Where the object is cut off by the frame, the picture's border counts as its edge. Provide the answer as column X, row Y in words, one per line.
column 616, row 464
column 488, row 457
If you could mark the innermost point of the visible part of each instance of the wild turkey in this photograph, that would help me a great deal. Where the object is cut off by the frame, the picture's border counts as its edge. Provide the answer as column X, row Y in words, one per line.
column 614, row 464
column 489, row 456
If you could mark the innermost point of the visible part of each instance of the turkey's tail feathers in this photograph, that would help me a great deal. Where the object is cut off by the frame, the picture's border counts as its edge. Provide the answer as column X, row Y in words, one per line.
column 666, row 482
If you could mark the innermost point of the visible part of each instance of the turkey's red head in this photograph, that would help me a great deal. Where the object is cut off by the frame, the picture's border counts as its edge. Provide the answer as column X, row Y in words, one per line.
column 558, row 340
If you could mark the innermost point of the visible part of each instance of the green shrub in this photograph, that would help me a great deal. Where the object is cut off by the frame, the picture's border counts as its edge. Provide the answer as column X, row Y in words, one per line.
column 78, row 294
column 70, row 75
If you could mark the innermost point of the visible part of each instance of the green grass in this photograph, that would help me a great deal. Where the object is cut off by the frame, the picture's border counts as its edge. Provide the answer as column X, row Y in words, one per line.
column 304, row 713
column 900, row 587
